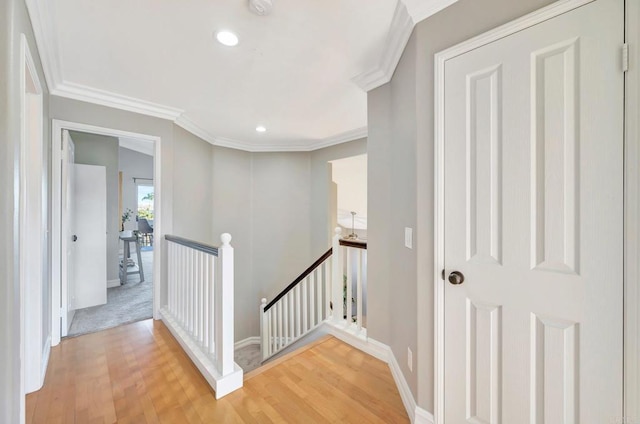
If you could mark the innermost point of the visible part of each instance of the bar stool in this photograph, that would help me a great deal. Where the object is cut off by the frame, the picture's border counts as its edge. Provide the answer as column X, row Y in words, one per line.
column 129, row 237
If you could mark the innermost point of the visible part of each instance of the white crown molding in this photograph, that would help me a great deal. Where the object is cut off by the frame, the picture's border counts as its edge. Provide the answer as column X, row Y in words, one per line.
column 407, row 14
column 187, row 124
column 45, row 34
column 114, row 100
column 40, row 12
column 399, row 33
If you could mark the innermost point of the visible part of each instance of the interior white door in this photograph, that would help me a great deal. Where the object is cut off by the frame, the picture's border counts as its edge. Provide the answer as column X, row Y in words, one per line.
column 67, row 247
column 533, row 221
column 90, row 237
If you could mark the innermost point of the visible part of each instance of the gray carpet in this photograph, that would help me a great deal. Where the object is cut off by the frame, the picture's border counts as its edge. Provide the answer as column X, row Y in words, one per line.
column 248, row 357
column 130, row 302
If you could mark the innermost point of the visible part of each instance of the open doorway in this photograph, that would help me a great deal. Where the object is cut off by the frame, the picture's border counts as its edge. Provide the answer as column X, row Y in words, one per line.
column 107, row 258
column 123, row 197
column 349, row 195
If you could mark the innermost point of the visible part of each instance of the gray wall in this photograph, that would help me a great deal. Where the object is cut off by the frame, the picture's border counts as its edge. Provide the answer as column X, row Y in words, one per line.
column 133, row 164
column 401, row 125
column 192, row 195
column 14, row 21
column 91, row 149
column 231, row 213
column 280, row 219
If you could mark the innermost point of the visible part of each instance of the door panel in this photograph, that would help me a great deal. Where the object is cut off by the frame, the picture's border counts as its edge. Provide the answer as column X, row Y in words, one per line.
column 67, row 281
column 533, row 219
column 90, row 260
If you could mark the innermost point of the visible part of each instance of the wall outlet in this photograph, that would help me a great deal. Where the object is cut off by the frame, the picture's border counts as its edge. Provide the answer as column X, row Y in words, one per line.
column 408, row 237
column 410, row 359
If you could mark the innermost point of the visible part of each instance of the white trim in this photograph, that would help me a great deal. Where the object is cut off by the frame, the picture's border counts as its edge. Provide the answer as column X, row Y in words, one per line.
column 187, row 124
column 222, row 385
column 423, row 417
column 249, row 341
column 56, row 147
column 117, row 101
column 31, row 308
column 399, row 33
column 403, row 387
column 632, row 215
column 422, row 9
column 46, row 39
column 46, row 353
column 384, row 353
column 113, row 283
column 527, row 21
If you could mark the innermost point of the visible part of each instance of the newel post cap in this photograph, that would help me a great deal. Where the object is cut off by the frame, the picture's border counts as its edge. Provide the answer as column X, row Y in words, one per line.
column 264, row 301
column 225, row 238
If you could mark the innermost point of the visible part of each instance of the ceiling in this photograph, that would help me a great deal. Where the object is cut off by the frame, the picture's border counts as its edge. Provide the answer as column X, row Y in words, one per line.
column 291, row 72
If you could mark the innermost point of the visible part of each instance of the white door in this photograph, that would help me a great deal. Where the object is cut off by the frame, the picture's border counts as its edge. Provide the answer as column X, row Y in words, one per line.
column 533, row 221
column 67, row 289
column 90, row 236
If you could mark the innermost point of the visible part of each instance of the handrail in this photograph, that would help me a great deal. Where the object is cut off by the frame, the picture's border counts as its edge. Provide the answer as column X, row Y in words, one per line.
column 358, row 244
column 206, row 248
column 300, row 278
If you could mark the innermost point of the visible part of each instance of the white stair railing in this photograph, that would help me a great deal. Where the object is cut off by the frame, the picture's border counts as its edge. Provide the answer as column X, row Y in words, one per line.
column 349, row 283
column 297, row 310
column 199, row 312
column 320, row 294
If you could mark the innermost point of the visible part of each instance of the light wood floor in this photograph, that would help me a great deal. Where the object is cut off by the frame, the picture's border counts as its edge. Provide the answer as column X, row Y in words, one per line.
column 138, row 374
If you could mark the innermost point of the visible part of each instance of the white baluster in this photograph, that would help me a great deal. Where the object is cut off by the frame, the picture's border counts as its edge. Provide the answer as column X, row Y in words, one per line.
column 359, row 291
column 349, row 292
column 197, row 294
column 292, row 322
column 312, row 299
column 326, row 267
column 274, row 327
column 298, row 322
column 205, row 302
column 264, row 329
column 305, row 302
column 280, row 331
column 336, row 277
column 180, row 283
column 213, row 272
column 318, row 296
column 285, row 313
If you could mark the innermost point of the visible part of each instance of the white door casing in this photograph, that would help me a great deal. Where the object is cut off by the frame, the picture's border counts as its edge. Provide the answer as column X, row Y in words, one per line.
column 533, row 186
column 90, row 235
column 162, row 223
column 67, row 285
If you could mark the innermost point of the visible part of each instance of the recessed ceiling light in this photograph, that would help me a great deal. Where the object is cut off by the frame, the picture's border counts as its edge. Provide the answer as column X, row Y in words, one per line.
column 260, row 128
column 227, row 38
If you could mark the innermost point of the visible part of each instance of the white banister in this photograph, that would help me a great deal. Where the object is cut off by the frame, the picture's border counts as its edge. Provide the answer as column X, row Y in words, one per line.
column 337, row 290
column 199, row 311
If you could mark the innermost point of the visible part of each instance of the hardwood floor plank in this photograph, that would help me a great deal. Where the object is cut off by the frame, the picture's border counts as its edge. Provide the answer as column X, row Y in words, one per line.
column 138, row 373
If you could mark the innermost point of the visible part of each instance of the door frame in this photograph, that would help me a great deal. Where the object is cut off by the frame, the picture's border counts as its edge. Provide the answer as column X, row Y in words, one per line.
column 56, row 213
column 33, row 362
column 631, row 199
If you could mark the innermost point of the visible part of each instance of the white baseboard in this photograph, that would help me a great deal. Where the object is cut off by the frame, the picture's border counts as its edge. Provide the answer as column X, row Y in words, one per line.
column 254, row 340
column 384, row 353
column 423, row 417
column 113, row 283
column 222, row 385
column 45, row 360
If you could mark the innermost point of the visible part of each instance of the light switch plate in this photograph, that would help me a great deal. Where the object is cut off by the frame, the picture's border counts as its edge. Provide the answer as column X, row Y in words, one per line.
column 408, row 237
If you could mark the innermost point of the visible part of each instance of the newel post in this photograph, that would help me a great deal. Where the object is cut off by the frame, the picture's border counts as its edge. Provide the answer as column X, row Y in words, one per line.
column 336, row 278
column 264, row 329
column 224, row 307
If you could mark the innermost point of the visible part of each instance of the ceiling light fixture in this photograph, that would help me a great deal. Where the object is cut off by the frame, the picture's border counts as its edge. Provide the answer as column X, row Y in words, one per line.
column 261, row 128
column 227, row 38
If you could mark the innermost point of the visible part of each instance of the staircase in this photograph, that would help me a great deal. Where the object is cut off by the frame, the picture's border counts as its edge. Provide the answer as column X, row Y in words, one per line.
column 331, row 292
